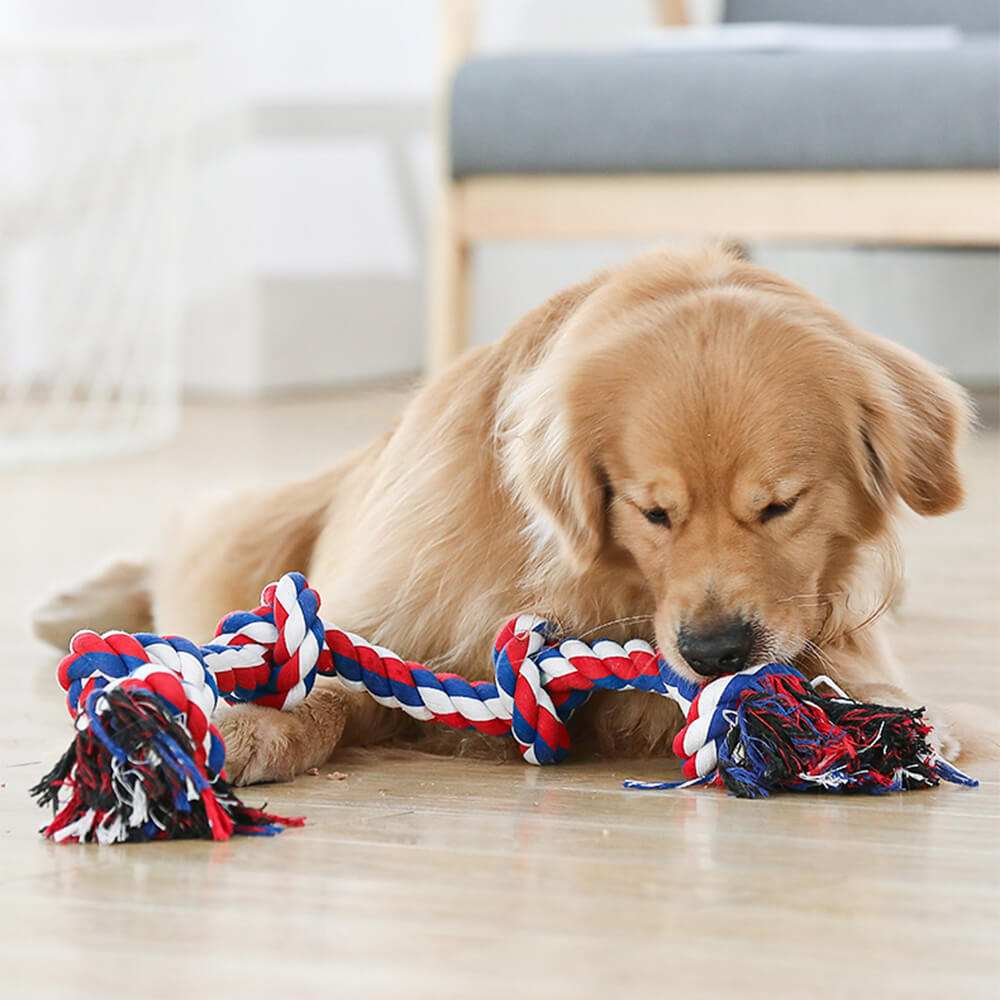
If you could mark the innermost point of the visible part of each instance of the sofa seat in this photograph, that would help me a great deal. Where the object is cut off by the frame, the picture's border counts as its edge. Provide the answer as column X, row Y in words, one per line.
column 643, row 111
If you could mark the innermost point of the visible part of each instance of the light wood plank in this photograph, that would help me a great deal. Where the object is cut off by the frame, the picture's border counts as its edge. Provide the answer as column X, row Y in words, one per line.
column 899, row 207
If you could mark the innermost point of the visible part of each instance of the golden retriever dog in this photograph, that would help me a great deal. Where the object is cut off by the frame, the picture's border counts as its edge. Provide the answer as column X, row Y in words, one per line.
column 689, row 449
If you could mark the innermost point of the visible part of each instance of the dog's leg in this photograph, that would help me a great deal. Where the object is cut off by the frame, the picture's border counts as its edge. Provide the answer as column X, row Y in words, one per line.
column 213, row 560
column 217, row 558
column 978, row 728
column 118, row 597
column 264, row 744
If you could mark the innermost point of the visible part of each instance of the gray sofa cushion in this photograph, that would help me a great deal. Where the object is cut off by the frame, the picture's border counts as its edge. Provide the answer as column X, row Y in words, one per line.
column 648, row 111
column 974, row 16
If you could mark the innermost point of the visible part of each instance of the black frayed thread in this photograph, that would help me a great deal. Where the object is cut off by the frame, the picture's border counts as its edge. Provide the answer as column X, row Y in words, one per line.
column 146, row 756
column 788, row 736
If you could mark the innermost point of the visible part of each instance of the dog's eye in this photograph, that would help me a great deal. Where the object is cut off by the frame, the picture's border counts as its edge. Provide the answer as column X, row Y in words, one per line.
column 773, row 510
column 657, row 515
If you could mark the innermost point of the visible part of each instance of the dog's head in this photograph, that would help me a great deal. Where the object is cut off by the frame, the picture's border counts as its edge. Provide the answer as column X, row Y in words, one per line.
column 740, row 441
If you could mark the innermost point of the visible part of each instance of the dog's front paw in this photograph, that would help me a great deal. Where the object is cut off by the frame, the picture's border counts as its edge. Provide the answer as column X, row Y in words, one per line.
column 264, row 744
column 259, row 745
column 941, row 736
column 973, row 731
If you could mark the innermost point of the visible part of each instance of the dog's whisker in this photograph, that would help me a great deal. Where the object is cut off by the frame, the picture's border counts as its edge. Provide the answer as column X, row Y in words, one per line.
column 811, row 649
column 616, row 621
column 768, row 651
column 781, row 646
column 818, row 596
column 873, row 616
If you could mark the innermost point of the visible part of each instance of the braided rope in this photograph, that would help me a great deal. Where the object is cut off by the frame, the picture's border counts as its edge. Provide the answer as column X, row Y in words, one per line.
column 757, row 730
column 272, row 655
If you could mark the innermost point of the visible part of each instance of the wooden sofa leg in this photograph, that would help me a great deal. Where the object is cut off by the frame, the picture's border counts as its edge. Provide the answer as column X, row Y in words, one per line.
column 448, row 291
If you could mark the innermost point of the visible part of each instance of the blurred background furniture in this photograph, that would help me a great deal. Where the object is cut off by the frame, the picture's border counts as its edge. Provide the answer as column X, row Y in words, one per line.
column 95, row 136
column 862, row 147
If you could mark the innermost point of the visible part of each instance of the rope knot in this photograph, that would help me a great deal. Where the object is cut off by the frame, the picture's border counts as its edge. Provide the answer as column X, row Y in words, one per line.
column 535, row 720
column 270, row 655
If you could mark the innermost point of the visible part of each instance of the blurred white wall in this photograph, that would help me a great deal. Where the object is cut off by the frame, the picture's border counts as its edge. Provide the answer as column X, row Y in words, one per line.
column 312, row 175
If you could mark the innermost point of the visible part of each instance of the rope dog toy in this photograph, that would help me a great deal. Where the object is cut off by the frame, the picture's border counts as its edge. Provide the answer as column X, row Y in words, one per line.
column 147, row 762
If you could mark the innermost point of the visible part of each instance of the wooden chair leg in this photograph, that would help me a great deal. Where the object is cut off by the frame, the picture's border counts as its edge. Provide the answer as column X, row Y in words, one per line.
column 448, row 291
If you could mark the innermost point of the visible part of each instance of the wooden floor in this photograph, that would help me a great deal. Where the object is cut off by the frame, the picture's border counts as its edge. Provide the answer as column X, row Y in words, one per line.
column 420, row 877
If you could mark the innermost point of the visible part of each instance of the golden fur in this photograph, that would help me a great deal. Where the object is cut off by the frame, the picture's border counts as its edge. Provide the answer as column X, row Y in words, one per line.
column 700, row 384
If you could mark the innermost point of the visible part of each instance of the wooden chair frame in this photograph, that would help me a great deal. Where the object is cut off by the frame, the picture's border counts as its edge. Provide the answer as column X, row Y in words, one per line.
column 911, row 207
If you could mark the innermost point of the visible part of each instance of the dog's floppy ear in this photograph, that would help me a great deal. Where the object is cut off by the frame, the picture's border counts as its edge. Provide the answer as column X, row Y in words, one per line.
column 913, row 418
column 548, row 452
column 556, row 478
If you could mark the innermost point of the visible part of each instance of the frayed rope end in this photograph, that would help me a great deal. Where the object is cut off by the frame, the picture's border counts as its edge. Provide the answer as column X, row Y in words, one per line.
column 783, row 735
column 787, row 736
column 133, row 774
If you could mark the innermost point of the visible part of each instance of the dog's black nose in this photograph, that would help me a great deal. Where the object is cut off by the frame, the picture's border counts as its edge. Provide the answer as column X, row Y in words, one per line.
column 722, row 649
